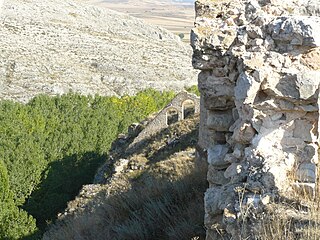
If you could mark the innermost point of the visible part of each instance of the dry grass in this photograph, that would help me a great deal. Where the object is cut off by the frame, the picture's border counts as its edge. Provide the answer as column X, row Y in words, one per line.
column 162, row 201
column 285, row 219
column 155, row 207
column 281, row 226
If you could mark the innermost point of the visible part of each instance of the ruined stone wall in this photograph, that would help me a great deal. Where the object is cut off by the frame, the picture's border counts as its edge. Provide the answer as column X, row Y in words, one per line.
column 259, row 81
column 160, row 121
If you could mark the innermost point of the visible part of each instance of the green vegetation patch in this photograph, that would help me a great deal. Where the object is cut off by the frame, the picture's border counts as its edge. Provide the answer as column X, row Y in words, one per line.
column 193, row 89
column 51, row 146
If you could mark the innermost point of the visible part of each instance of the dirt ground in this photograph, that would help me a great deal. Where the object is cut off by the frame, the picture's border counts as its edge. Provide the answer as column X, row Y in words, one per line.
column 176, row 17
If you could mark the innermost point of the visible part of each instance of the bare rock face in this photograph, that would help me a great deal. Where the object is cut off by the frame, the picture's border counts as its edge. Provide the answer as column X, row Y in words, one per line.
column 54, row 47
column 259, row 82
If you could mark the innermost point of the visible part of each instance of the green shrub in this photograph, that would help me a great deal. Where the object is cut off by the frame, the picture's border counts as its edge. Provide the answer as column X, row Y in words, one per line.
column 4, row 183
column 14, row 223
column 51, row 146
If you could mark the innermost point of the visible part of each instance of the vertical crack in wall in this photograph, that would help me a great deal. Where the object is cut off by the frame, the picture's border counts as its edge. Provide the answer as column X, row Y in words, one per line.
column 259, row 84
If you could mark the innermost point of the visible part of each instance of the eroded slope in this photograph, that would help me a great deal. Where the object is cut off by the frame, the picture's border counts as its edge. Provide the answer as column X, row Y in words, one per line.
column 155, row 192
column 54, row 47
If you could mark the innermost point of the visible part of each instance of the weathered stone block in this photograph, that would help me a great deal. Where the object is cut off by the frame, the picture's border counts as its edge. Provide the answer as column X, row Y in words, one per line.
column 218, row 137
column 247, row 88
column 230, row 158
column 212, row 200
column 310, row 153
column 217, row 199
column 244, row 133
column 219, row 120
column 217, row 92
column 306, row 173
column 233, row 170
column 216, row 155
column 216, row 177
column 292, row 142
column 304, row 130
column 207, row 62
column 213, row 102
column 218, row 86
column 294, row 86
column 296, row 30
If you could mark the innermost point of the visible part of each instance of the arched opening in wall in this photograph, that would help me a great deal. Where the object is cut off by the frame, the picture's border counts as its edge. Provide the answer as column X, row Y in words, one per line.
column 188, row 109
column 172, row 116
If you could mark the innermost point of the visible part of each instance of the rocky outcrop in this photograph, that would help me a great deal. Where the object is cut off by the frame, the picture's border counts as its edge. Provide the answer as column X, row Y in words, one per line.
column 54, row 47
column 259, row 82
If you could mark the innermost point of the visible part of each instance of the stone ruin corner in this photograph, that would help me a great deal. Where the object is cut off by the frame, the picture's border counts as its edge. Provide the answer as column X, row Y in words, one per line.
column 259, row 84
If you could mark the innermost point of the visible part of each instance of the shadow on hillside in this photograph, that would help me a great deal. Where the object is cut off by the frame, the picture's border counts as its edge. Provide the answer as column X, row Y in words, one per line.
column 153, row 208
column 64, row 178
column 61, row 182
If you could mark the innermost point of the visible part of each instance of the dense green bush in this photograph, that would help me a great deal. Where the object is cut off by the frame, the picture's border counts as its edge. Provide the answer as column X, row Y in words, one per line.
column 51, row 146
column 14, row 222
column 4, row 183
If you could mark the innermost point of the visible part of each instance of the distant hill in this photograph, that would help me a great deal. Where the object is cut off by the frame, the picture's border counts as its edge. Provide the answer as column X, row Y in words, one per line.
column 54, row 47
column 175, row 15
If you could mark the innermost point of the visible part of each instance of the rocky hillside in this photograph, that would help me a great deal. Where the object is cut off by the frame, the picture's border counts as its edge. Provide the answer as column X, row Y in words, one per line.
column 54, row 47
column 154, row 191
column 176, row 16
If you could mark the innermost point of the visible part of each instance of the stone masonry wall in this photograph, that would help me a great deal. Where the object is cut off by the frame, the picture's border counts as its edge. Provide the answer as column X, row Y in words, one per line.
column 160, row 121
column 259, row 83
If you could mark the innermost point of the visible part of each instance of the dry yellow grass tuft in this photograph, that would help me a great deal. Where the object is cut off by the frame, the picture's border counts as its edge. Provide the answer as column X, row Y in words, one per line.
column 285, row 219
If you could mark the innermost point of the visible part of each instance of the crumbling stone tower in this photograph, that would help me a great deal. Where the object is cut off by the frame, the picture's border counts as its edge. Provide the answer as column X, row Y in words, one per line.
column 259, row 84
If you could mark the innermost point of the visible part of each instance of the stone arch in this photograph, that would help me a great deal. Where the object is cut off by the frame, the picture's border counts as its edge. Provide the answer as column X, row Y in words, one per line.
column 172, row 116
column 188, row 108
